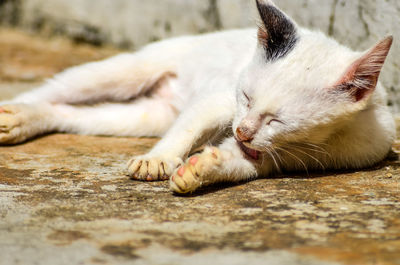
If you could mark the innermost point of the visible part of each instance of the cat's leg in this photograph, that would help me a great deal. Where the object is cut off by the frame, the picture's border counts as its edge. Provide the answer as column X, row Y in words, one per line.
column 208, row 113
column 119, row 78
column 19, row 122
column 144, row 117
column 225, row 163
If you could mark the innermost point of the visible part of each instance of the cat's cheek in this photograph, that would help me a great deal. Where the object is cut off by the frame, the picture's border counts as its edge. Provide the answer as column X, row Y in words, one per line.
column 275, row 130
column 266, row 134
column 263, row 140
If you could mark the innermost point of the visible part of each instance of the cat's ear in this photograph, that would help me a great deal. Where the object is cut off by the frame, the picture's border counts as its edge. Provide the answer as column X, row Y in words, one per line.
column 361, row 78
column 277, row 34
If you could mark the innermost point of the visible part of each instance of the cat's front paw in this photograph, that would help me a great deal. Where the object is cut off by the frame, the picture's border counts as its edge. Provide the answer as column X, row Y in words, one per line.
column 147, row 168
column 194, row 173
column 19, row 122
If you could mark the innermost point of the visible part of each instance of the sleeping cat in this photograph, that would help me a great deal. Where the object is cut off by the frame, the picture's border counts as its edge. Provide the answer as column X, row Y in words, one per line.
column 277, row 98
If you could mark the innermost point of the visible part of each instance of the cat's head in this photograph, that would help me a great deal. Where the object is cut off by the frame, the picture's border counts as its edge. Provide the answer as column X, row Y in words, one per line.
column 301, row 85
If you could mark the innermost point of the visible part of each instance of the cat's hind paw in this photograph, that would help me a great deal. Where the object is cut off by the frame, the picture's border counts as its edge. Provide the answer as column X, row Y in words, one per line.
column 152, row 169
column 18, row 123
column 194, row 173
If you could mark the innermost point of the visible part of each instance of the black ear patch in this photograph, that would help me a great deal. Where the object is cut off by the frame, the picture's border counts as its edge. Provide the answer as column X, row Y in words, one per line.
column 278, row 35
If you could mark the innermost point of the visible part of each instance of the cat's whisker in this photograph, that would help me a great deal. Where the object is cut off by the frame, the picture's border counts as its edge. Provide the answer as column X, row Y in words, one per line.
column 311, row 156
column 312, row 148
column 295, row 157
column 317, row 146
column 290, row 144
column 262, row 160
column 277, row 155
column 281, row 160
column 274, row 159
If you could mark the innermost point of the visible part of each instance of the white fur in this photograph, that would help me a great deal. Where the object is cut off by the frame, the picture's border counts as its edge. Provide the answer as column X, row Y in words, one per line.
column 185, row 87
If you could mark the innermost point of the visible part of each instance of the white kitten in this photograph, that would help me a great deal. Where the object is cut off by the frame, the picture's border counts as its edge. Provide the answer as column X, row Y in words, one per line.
column 295, row 99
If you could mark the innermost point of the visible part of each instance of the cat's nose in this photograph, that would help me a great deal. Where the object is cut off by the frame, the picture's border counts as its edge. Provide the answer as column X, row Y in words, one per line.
column 244, row 134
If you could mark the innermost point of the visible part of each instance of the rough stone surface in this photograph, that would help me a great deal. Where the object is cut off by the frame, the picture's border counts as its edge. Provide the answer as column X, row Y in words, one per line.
column 26, row 58
column 65, row 199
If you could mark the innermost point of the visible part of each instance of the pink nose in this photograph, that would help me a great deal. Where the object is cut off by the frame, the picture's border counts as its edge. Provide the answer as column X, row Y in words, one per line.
column 244, row 134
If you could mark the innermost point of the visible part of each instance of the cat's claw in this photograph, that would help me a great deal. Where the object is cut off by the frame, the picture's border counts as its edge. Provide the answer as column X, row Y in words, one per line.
column 152, row 169
column 192, row 175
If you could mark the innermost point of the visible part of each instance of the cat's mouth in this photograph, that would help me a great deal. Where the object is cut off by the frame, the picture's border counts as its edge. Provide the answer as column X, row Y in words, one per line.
column 251, row 153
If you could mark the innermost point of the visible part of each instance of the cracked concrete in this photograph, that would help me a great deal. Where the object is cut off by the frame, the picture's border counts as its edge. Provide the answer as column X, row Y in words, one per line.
column 66, row 199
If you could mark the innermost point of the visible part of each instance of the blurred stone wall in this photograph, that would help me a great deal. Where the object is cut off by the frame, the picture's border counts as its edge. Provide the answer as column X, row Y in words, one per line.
column 133, row 23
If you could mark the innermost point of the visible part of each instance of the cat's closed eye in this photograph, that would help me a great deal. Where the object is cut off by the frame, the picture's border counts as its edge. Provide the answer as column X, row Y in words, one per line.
column 248, row 99
column 273, row 120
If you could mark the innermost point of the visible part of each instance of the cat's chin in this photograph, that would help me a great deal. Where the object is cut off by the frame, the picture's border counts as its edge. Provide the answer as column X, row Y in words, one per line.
column 250, row 153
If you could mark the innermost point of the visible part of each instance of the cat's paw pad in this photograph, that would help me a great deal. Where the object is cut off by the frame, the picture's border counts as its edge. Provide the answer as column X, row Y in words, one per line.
column 152, row 169
column 190, row 176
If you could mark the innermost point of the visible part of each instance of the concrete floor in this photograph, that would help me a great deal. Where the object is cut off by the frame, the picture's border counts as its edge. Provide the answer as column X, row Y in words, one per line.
column 66, row 199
